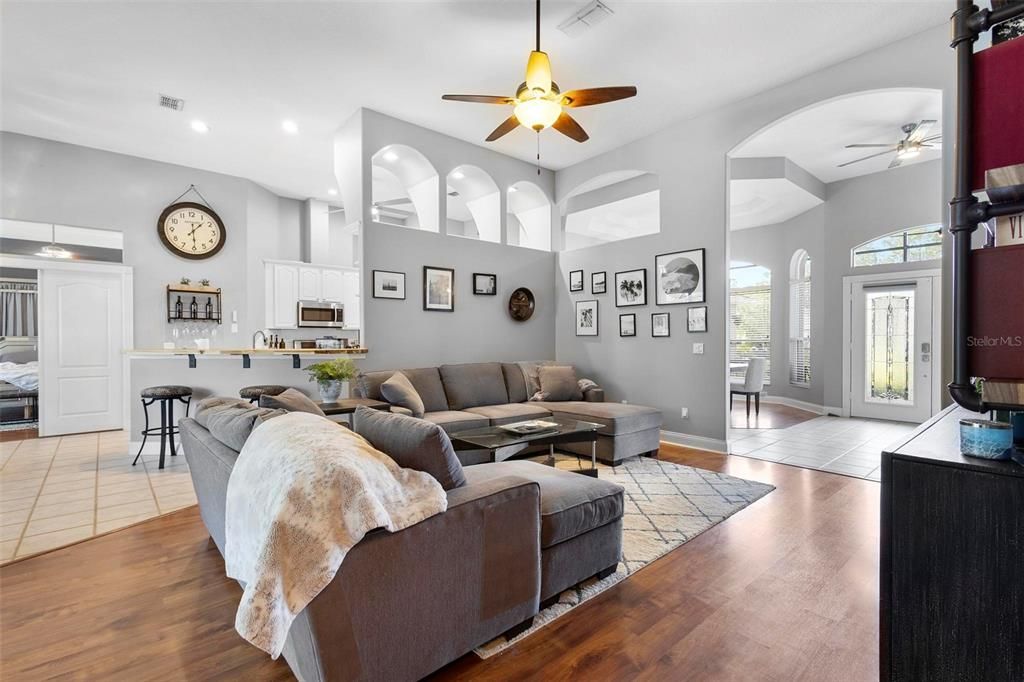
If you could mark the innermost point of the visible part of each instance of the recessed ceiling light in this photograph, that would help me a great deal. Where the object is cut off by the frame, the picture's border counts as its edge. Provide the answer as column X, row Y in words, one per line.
column 332, row 191
column 458, row 175
column 289, row 126
column 513, row 188
column 390, row 156
column 200, row 127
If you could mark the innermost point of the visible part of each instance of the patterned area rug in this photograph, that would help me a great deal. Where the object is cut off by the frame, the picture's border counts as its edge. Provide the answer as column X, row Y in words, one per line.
column 666, row 505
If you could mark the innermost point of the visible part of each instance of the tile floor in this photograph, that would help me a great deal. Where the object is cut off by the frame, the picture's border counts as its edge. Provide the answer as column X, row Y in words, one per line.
column 852, row 447
column 55, row 491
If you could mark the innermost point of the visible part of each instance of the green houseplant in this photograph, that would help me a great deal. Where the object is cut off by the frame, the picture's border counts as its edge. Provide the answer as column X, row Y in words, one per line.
column 331, row 377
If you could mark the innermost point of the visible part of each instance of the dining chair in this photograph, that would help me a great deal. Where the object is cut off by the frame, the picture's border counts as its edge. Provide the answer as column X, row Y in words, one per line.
column 751, row 385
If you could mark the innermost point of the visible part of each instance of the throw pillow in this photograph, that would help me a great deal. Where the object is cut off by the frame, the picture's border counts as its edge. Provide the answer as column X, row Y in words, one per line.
column 559, row 382
column 412, row 443
column 398, row 390
column 291, row 401
column 230, row 420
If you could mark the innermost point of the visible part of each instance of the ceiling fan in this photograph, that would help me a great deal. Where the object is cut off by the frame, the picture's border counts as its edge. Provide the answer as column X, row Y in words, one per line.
column 916, row 138
column 539, row 103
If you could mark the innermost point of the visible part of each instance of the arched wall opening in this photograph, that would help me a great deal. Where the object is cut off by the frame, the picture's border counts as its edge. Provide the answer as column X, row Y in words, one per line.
column 404, row 189
column 611, row 207
column 473, row 204
column 529, row 217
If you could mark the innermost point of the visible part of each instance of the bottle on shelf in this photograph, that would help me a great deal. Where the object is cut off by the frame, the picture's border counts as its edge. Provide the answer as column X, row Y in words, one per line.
column 179, row 310
column 281, row 344
column 209, row 308
column 193, row 308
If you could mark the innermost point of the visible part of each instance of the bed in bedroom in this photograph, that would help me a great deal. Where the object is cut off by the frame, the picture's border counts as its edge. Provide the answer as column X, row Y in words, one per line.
column 19, row 380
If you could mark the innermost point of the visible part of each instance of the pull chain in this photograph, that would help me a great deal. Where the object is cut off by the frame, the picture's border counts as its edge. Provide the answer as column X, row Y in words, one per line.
column 538, row 152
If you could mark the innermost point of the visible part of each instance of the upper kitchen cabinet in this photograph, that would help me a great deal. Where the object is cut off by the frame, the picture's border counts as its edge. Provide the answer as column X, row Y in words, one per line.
column 310, row 283
column 333, row 284
column 287, row 283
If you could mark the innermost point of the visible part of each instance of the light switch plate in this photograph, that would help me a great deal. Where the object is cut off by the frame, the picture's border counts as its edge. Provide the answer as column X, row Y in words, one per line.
column 234, row 328
column 698, row 349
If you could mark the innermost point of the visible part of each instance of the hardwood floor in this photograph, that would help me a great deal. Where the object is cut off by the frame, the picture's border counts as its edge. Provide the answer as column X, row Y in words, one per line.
column 786, row 589
column 772, row 416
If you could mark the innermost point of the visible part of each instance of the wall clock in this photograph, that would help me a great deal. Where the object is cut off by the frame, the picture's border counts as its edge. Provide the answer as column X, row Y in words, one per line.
column 521, row 304
column 191, row 230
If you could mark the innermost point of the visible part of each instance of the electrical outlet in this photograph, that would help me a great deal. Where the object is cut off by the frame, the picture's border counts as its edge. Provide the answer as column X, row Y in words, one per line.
column 684, row 412
column 698, row 349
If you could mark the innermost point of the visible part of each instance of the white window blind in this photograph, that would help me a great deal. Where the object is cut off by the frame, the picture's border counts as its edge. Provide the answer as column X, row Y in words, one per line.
column 750, row 312
column 800, row 320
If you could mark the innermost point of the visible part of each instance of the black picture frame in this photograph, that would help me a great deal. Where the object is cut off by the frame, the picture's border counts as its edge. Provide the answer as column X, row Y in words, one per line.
column 627, row 317
column 654, row 326
column 575, row 286
column 445, row 307
column 635, row 297
column 483, row 291
column 399, row 285
column 694, row 324
column 599, row 287
column 662, row 294
column 591, row 326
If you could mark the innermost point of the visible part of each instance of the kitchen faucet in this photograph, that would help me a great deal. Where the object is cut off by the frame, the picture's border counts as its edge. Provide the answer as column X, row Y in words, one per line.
column 260, row 332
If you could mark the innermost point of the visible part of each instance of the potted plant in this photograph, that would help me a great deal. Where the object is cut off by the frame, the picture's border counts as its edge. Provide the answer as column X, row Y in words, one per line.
column 332, row 377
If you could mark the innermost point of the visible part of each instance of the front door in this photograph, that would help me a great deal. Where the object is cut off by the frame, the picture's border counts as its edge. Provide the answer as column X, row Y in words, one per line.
column 891, row 349
column 81, row 356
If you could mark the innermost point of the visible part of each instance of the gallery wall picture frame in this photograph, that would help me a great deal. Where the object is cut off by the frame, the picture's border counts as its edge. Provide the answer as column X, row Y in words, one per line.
column 587, row 319
column 627, row 324
column 438, row 289
column 679, row 277
column 660, row 325
column 388, row 284
column 697, row 319
column 575, row 281
column 599, row 282
column 485, row 284
column 631, row 288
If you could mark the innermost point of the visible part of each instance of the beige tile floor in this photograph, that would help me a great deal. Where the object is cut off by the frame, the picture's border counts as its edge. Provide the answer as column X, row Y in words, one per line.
column 55, row 491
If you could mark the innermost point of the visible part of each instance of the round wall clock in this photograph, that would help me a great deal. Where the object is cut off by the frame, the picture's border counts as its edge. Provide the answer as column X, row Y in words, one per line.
column 191, row 230
column 521, row 304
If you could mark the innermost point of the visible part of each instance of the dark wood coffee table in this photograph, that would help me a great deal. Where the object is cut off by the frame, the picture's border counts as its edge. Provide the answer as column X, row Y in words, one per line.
column 349, row 405
column 503, row 444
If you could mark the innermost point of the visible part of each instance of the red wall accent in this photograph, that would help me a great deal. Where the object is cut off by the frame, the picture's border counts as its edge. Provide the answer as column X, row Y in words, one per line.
column 998, row 97
column 997, row 312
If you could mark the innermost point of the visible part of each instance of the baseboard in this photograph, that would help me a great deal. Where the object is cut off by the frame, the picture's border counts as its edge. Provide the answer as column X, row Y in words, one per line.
column 696, row 442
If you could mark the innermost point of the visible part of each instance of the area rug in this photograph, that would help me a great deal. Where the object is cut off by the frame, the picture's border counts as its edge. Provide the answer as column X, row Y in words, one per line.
column 666, row 505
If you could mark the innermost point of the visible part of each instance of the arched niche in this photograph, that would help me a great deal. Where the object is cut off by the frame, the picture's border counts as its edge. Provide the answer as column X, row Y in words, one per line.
column 528, row 222
column 474, row 204
column 611, row 207
column 404, row 189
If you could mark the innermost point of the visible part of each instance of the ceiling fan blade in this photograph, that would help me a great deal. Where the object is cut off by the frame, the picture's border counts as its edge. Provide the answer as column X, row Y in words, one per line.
column 591, row 96
column 932, row 138
column 896, row 161
column 842, row 165
column 858, row 146
column 921, row 131
column 568, row 126
column 479, row 99
column 507, row 126
column 392, row 202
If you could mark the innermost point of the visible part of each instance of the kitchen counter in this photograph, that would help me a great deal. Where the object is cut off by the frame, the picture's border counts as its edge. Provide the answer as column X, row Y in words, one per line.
column 246, row 354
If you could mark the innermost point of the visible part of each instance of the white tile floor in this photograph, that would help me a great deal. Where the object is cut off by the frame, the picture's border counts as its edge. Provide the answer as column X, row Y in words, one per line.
column 852, row 447
column 55, row 491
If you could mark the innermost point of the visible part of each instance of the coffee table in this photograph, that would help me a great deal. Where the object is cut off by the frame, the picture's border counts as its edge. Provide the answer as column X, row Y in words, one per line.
column 503, row 444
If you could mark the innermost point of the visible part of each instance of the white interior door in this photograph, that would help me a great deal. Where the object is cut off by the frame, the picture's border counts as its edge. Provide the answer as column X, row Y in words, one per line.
column 81, row 351
column 892, row 349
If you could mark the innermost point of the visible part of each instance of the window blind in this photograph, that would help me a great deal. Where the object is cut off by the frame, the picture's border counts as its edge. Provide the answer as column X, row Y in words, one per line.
column 800, row 332
column 750, row 312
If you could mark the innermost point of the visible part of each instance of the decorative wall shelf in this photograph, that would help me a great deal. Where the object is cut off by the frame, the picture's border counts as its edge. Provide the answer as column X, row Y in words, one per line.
column 188, row 293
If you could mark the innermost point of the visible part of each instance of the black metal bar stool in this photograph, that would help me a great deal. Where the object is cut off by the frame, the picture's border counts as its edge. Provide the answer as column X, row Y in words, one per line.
column 253, row 393
column 165, row 395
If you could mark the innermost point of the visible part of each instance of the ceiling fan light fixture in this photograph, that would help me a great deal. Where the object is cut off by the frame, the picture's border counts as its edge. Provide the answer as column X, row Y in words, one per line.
column 538, row 73
column 538, row 114
column 908, row 152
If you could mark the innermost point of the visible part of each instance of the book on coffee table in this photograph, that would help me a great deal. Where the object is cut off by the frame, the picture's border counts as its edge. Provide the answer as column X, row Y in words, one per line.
column 528, row 427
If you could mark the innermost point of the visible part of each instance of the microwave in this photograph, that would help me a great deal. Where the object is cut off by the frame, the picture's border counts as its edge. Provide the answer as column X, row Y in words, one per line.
column 320, row 314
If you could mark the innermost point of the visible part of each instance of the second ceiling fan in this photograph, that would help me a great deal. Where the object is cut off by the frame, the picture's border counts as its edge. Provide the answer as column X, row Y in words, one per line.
column 539, row 104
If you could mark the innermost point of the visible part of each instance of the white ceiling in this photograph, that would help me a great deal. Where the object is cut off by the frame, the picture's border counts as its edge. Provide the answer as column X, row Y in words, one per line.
column 89, row 72
column 766, row 201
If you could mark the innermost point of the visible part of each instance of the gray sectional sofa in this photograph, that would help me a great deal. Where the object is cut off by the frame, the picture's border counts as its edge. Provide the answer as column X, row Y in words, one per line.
column 467, row 396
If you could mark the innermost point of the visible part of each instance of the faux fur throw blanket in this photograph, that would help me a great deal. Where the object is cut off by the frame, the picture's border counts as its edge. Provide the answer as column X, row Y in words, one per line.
column 303, row 492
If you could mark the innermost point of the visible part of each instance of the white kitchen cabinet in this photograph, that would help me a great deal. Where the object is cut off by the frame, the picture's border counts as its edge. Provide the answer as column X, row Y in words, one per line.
column 282, row 295
column 310, row 283
column 333, row 285
column 287, row 283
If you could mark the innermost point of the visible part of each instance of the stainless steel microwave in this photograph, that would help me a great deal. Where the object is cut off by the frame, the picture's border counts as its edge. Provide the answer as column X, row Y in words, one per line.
column 321, row 314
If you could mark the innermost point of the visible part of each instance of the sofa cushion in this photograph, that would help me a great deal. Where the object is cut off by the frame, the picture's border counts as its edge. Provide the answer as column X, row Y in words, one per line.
column 412, row 443
column 570, row 504
column 454, row 420
column 558, row 382
column 291, row 401
column 398, row 390
column 618, row 418
column 510, row 413
column 426, row 381
column 474, row 384
column 515, row 382
column 230, row 420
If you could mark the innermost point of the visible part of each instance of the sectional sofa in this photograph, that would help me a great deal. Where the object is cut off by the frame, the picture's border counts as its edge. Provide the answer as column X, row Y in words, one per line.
column 467, row 396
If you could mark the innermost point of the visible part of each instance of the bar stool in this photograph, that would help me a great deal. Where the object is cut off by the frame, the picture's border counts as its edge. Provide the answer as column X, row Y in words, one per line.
column 165, row 395
column 253, row 393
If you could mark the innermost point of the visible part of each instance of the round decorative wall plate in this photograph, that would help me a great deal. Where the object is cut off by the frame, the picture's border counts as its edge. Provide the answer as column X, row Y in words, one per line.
column 521, row 304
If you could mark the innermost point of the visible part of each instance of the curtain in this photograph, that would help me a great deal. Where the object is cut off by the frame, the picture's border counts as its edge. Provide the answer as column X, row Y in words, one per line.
column 18, row 309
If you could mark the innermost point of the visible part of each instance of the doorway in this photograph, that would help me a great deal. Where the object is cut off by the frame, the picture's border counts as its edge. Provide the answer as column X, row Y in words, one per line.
column 890, row 364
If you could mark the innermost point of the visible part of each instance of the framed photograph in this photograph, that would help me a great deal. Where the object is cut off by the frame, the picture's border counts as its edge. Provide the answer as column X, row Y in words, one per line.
column 599, row 282
column 485, row 284
column 660, row 325
column 679, row 277
column 631, row 288
column 627, row 325
column 576, row 280
column 697, row 319
column 586, row 318
column 438, row 288
column 389, row 284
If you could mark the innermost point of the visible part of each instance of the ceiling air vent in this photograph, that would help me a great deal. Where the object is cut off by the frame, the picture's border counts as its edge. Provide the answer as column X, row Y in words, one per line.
column 585, row 19
column 172, row 103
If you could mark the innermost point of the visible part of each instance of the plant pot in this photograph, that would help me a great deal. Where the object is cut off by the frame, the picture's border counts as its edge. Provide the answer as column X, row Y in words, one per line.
column 331, row 391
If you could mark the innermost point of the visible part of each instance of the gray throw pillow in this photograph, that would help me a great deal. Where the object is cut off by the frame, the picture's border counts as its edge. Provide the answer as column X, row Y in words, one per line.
column 230, row 420
column 398, row 390
column 291, row 401
column 412, row 443
column 559, row 382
